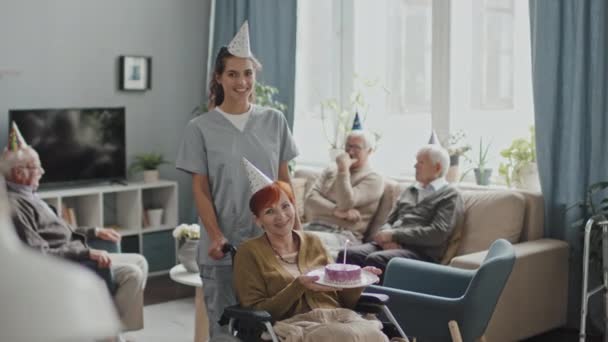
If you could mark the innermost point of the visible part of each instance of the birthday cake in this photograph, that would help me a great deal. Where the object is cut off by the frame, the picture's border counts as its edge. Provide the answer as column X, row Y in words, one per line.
column 342, row 274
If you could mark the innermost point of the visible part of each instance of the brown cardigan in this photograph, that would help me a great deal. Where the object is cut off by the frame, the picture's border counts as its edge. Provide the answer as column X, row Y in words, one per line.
column 262, row 283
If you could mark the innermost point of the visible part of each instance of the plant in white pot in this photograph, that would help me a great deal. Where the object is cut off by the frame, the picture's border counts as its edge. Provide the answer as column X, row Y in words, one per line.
column 456, row 148
column 187, row 236
column 148, row 163
column 520, row 169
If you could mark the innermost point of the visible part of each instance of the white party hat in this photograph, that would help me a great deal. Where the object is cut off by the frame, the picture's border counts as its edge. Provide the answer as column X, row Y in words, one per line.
column 239, row 45
column 434, row 140
column 15, row 139
column 257, row 180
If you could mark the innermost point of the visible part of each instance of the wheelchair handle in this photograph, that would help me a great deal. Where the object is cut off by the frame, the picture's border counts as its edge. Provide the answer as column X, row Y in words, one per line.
column 228, row 248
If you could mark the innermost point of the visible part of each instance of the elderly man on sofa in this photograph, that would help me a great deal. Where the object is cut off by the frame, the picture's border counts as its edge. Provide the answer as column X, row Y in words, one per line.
column 423, row 219
column 39, row 227
column 345, row 198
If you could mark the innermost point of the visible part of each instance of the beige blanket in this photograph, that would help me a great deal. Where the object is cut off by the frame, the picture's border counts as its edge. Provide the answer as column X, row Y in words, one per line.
column 329, row 325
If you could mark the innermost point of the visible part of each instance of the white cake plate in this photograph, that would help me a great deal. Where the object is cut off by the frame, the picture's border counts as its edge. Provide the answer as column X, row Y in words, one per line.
column 367, row 278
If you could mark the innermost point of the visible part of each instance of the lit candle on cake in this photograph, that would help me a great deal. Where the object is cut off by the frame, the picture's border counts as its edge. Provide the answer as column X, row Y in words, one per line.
column 345, row 248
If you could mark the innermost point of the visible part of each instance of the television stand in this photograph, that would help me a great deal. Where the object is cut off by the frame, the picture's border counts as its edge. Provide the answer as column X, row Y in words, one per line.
column 125, row 208
column 119, row 182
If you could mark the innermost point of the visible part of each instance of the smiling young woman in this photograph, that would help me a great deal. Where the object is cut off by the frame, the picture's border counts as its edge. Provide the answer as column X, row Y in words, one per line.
column 212, row 150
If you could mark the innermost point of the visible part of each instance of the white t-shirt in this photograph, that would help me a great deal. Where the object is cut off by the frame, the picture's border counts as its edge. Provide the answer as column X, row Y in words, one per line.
column 238, row 120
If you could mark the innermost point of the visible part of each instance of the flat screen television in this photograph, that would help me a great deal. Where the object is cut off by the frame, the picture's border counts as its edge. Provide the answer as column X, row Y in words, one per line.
column 76, row 145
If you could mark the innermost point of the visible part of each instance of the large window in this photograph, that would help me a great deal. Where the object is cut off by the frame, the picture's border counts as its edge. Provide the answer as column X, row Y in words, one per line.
column 407, row 72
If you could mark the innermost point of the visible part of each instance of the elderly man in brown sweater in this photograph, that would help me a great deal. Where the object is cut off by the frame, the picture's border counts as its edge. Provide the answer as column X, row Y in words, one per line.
column 345, row 197
column 422, row 220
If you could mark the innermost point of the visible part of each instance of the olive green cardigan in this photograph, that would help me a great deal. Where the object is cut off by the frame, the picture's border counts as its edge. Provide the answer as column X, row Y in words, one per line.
column 262, row 283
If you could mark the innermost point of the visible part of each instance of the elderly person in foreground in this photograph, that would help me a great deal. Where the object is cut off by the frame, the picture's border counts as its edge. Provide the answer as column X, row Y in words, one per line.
column 423, row 219
column 270, row 273
column 345, row 197
column 39, row 227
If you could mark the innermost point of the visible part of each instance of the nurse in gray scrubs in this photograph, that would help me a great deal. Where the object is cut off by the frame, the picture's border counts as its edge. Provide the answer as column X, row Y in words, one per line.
column 212, row 150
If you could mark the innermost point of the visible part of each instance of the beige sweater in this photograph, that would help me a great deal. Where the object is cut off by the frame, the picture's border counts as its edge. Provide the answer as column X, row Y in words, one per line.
column 360, row 190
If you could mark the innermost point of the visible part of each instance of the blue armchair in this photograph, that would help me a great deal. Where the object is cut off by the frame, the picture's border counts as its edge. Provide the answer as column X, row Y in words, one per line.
column 425, row 297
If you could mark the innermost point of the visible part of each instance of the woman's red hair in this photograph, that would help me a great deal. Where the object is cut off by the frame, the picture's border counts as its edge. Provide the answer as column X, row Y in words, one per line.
column 269, row 196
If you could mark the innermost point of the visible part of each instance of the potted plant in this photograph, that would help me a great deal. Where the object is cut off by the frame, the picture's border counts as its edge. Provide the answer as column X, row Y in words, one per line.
column 148, row 163
column 187, row 236
column 337, row 118
column 521, row 169
column 482, row 172
column 456, row 148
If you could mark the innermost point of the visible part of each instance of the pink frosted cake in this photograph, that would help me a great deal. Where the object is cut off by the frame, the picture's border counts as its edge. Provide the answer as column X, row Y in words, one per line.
column 342, row 274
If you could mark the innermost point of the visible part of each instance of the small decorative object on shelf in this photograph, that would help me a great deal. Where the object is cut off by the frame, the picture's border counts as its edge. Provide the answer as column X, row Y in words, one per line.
column 148, row 163
column 188, row 236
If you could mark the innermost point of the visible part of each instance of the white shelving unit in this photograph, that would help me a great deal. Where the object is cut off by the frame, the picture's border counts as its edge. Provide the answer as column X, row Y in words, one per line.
column 123, row 207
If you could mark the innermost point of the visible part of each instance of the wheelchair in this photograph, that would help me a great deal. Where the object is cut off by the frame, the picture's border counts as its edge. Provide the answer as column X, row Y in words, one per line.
column 248, row 324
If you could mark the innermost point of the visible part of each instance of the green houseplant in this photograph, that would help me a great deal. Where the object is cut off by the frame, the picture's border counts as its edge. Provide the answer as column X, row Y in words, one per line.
column 337, row 118
column 264, row 96
column 482, row 172
column 520, row 167
column 148, row 163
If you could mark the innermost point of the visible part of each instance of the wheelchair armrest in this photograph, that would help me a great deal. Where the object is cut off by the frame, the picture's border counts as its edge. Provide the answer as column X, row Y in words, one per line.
column 247, row 314
column 371, row 302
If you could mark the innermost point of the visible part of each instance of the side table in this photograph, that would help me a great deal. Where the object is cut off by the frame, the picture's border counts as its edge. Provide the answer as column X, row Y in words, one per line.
column 179, row 274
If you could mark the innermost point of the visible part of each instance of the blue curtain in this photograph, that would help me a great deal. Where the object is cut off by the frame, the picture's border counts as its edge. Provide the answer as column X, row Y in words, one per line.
column 570, row 75
column 272, row 31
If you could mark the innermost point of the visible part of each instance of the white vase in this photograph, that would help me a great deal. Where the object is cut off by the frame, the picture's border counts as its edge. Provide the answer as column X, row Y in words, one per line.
column 155, row 217
column 186, row 254
column 150, row 176
column 527, row 178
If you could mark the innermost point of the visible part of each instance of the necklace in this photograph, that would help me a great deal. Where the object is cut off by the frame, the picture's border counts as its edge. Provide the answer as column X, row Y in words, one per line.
column 279, row 255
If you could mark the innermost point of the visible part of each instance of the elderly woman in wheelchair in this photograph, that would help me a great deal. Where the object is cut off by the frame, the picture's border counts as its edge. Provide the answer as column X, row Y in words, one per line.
column 270, row 273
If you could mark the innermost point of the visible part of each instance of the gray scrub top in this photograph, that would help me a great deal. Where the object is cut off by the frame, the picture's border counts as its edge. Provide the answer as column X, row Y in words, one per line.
column 214, row 147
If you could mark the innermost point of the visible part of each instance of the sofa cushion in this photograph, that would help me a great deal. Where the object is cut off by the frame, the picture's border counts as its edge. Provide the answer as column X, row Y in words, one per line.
column 491, row 215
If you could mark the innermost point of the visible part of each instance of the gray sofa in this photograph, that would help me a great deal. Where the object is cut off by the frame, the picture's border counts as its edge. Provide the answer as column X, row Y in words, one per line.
column 535, row 297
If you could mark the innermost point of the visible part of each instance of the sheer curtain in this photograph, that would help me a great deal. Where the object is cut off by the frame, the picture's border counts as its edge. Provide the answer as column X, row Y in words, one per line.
column 383, row 50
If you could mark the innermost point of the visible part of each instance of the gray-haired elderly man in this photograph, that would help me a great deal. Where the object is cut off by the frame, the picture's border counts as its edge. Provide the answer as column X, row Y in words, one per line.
column 422, row 220
column 39, row 227
column 345, row 197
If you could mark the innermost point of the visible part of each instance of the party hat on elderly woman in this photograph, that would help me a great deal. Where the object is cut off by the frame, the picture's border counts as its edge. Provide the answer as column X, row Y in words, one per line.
column 257, row 179
column 239, row 46
column 15, row 139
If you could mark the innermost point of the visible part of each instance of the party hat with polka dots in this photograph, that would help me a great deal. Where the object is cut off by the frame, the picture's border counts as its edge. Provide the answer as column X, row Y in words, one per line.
column 257, row 180
column 239, row 46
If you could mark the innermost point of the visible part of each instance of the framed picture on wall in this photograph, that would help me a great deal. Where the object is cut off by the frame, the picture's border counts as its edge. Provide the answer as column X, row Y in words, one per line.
column 135, row 73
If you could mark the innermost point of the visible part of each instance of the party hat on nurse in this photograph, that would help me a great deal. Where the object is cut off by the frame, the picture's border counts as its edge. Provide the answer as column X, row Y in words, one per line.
column 357, row 122
column 15, row 139
column 257, row 180
column 434, row 140
column 239, row 46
